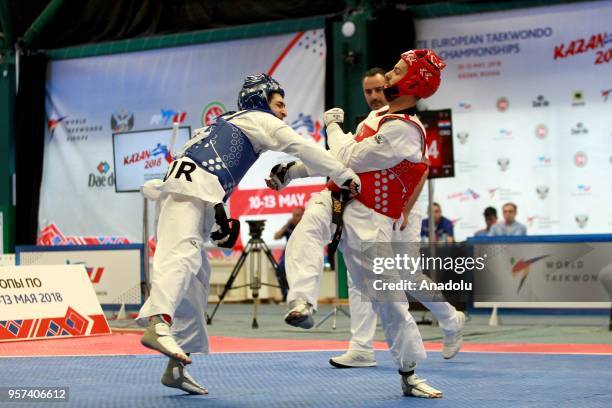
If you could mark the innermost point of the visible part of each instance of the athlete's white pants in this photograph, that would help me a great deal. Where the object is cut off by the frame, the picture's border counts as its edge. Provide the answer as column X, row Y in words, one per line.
column 363, row 317
column 304, row 262
column 181, row 271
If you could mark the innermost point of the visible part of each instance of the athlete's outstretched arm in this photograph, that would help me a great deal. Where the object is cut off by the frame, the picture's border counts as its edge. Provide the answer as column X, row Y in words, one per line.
column 394, row 142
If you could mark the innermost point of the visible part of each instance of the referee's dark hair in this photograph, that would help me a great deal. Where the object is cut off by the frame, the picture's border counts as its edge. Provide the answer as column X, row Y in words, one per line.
column 373, row 72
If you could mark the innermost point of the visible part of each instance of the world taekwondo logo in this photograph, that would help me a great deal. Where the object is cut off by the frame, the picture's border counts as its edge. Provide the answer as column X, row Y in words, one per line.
column 313, row 128
column 52, row 124
column 531, row 220
column 522, row 267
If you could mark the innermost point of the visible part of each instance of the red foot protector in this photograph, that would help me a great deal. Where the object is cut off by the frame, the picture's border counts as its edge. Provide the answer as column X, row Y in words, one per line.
column 41, row 302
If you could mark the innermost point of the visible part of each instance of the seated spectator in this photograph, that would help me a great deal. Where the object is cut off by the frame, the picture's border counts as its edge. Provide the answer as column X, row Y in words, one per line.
column 490, row 216
column 510, row 227
column 444, row 226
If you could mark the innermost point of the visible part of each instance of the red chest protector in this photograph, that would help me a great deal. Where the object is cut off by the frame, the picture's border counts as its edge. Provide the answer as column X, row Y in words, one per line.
column 387, row 191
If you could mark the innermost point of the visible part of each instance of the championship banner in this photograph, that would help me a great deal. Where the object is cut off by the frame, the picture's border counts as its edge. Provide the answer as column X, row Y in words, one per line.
column 41, row 302
column 89, row 99
column 529, row 90
column 115, row 271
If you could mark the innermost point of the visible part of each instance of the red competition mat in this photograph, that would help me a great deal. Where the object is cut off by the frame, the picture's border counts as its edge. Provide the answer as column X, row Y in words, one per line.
column 128, row 343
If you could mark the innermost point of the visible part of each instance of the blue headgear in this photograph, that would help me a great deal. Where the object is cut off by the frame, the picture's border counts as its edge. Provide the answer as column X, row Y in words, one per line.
column 256, row 90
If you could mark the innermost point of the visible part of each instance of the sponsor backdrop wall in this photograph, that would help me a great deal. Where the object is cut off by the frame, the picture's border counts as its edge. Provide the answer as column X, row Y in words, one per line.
column 89, row 99
column 531, row 94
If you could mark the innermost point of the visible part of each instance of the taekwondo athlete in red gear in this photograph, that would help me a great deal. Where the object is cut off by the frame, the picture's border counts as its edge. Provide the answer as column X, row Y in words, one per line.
column 363, row 319
column 389, row 153
column 191, row 212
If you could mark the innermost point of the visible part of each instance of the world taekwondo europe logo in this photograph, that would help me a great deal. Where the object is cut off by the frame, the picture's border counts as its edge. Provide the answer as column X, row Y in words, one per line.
column 521, row 267
column 52, row 124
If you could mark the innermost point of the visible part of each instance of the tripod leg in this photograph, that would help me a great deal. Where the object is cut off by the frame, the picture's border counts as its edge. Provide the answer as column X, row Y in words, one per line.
column 269, row 255
column 335, row 318
column 255, row 325
column 341, row 309
column 228, row 284
column 327, row 316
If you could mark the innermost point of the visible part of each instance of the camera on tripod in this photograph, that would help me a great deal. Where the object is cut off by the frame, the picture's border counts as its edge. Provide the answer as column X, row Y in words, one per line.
column 256, row 228
column 256, row 250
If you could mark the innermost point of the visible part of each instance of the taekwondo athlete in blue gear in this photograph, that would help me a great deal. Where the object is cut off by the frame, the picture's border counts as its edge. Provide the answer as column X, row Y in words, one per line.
column 190, row 213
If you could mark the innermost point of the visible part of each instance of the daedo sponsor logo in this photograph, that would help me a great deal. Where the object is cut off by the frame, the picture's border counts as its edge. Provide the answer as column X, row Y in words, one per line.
column 540, row 102
column 103, row 177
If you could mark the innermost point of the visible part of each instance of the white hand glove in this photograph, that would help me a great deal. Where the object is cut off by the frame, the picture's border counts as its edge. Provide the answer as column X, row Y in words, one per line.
column 334, row 115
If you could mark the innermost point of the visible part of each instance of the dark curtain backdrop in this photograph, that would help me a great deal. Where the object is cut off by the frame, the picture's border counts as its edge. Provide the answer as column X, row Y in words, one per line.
column 29, row 144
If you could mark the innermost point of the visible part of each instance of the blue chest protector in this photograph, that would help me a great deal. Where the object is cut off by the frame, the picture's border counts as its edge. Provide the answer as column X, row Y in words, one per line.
column 225, row 152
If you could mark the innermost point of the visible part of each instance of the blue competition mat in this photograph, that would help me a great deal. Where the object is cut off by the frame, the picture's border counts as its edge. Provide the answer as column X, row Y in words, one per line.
column 305, row 379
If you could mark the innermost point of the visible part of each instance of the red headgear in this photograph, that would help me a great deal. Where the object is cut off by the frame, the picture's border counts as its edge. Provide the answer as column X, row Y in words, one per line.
column 423, row 76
